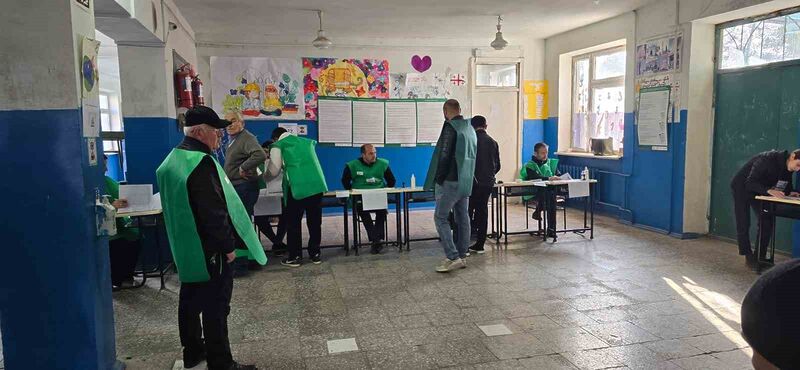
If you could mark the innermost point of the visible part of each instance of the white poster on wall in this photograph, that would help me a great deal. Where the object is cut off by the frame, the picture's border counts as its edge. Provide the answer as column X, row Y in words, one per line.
column 260, row 88
column 91, row 120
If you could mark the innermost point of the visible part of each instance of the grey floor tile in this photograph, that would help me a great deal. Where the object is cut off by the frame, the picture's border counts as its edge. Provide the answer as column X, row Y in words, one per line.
column 313, row 325
column 459, row 352
column 548, row 362
column 569, row 339
column 621, row 333
column 151, row 362
column 593, row 359
column 401, row 357
column 533, row 323
column 702, row 362
column 517, row 346
column 673, row 348
column 350, row 360
column 571, row 319
column 283, row 353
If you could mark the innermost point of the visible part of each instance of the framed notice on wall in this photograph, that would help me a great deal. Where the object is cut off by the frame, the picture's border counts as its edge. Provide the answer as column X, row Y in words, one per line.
column 651, row 120
column 84, row 3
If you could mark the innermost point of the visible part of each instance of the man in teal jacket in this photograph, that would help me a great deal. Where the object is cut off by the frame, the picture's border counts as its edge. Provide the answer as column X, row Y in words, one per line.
column 450, row 175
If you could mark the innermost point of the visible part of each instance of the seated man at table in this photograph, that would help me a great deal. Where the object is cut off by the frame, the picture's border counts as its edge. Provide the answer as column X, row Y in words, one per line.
column 124, row 247
column 540, row 167
column 768, row 173
column 369, row 172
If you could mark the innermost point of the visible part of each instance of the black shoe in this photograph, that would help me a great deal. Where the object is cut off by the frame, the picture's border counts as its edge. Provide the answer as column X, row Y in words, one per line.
column 192, row 361
column 279, row 249
column 551, row 233
column 291, row 262
column 316, row 259
column 751, row 261
column 254, row 266
column 238, row 366
column 376, row 248
column 476, row 249
column 537, row 216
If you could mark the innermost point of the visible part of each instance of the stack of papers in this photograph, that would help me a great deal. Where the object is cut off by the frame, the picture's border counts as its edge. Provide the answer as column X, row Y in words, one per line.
column 140, row 198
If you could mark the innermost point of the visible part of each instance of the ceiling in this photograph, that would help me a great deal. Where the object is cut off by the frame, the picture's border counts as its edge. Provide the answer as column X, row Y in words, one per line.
column 283, row 22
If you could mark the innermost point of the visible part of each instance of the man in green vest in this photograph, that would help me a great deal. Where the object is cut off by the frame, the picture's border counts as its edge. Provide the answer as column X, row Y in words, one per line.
column 450, row 175
column 540, row 167
column 206, row 222
column 124, row 247
column 303, row 187
column 369, row 172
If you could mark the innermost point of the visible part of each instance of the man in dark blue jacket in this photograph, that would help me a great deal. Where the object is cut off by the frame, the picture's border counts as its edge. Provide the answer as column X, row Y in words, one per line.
column 487, row 165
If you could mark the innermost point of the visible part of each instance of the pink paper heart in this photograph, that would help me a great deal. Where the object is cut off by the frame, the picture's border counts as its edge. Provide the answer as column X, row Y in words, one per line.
column 421, row 64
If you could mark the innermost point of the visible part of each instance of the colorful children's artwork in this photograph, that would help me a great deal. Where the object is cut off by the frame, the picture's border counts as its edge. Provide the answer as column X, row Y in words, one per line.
column 659, row 55
column 259, row 88
column 354, row 78
column 428, row 85
column 89, row 75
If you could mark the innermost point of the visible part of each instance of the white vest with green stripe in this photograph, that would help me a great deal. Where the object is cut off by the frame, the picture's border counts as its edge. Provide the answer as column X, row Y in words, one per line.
column 184, row 240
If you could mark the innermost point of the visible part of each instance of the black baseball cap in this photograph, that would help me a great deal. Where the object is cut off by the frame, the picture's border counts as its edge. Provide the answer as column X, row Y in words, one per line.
column 200, row 114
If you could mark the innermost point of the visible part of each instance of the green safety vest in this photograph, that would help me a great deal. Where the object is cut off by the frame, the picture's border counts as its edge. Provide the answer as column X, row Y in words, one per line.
column 546, row 171
column 302, row 172
column 466, row 149
column 262, row 183
column 125, row 230
column 368, row 177
column 187, row 249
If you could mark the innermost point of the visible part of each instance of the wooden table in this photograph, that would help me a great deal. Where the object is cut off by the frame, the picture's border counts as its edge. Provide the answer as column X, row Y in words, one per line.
column 526, row 188
column 161, row 269
column 770, row 208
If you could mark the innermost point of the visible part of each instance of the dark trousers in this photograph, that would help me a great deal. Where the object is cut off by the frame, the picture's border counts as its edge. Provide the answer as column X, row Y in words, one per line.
column 375, row 230
column 478, row 213
column 547, row 197
column 276, row 237
column 743, row 202
column 295, row 208
column 248, row 193
column 123, row 255
column 211, row 299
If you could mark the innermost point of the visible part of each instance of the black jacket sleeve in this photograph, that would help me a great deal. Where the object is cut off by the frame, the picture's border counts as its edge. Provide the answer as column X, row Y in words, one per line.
column 496, row 157
column 759, row 171
column 347, row 178
column 531, row 175
column 210, row 210
column 389, row 177
column 447, row 147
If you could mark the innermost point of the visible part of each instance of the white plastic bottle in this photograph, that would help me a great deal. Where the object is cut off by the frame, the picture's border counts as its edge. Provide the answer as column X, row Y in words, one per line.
column 585, row 174
column 413, row 181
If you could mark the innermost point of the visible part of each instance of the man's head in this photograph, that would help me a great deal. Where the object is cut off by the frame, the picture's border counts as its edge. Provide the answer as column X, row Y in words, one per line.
column 793, row 163
column 203, row 124
column 237, row 123
column 277, row 132
column 478, row 122
column 451, row 109
column 770, row 323
column 368, row 153
column 540, row 151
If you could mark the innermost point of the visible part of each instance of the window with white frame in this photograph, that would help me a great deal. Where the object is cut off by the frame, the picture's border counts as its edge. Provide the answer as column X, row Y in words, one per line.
column 756, row 41
column 110, row 120
column 598, row 98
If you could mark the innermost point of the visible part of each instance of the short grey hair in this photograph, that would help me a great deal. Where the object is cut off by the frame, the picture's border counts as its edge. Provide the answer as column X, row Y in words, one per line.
column 190, row 130
column 236, row 114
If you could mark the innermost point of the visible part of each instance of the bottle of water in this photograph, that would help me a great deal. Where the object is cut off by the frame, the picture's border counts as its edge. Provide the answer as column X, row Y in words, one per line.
column 585, row 174
column 413, row 181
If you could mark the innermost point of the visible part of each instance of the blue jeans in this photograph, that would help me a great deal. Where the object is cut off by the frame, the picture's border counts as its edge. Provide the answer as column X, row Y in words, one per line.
column 446, row 201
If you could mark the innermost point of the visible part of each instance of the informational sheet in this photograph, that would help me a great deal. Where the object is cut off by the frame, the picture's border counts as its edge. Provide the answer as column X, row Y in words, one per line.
column 140, row 198
column 374, row 200
column 652, row 117
column 401, row 122
column 578, row 189
column 430, row 118
column 268, row 204
column 566, row 176
column 368, row 122
column 91, row 120
column 335, row 121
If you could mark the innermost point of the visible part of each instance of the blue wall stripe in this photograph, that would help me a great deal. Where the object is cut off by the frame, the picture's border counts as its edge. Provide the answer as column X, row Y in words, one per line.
column 532, row 133
column 55, row 301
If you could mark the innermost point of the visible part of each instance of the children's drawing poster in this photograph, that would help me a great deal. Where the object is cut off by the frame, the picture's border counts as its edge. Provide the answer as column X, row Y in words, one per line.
column 353, row 78
column 90, row 85
column 260, row 88
column 431, row 85
column 659, row 55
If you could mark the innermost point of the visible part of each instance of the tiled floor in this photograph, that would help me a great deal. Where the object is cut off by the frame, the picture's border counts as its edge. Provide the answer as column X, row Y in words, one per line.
column 628, row 299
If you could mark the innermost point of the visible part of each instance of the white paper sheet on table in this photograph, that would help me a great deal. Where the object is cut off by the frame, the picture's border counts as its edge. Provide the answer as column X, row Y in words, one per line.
column 268, row 204
column 139, row 197
column 566, row 176
column 374, row 200
column 578, row 189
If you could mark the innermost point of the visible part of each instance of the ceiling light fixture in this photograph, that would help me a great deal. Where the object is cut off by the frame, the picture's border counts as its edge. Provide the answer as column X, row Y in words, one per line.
column 499, row 43
column 321, row 42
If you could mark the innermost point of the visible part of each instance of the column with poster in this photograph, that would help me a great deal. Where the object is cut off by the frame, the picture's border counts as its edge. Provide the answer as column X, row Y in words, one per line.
column 651, row 120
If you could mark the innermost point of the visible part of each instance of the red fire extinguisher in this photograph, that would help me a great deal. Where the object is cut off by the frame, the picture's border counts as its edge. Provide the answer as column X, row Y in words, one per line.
column 183, row 85
column 197, row 91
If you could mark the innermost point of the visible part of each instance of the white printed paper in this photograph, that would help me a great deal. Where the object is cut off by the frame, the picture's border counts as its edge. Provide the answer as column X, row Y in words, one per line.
column 566, row 176
column 139, row 197
column 290, row 128
column 368, row 122
column 91, row 120
column 335, row 121
column 342, row 194
column 91, row 148
column 374, row 200
column 431, row 120
column 401, row 122
column 578, row 189
column 652, row 119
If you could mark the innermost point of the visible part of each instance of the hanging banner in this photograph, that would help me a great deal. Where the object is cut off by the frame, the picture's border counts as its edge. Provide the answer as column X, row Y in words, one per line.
column 344, row 78
column 260, row 88
column 535, row 92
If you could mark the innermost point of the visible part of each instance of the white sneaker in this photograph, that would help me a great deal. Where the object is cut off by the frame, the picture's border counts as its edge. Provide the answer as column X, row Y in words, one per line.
column 450, row 265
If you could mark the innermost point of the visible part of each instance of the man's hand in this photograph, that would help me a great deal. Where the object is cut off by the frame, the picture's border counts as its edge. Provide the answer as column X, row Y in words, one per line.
column 776, row 193
column 794, row 194
column 243, row 174
column 554, row 178
column 231, row 256
column 120, row 203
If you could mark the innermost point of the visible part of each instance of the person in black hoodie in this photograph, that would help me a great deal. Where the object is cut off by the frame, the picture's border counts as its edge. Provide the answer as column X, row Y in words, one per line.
column 768, row 173
column 487, row 165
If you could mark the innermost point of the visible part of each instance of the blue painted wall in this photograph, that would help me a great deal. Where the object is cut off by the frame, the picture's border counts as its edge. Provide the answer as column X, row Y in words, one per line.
column 532, row 133
column 55, row 299
column 148, row 140
column 645, row 187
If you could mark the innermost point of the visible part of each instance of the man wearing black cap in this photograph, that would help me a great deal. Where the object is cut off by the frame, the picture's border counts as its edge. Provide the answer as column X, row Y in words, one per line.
column 487, row 165
column 206, row 222
column 770, row 321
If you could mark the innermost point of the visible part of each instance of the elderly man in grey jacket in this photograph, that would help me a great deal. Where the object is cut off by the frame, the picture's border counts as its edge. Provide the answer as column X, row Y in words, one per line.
column 242, row 158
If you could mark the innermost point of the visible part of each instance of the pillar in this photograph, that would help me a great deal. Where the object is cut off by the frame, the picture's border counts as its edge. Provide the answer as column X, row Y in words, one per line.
column 55, row 293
